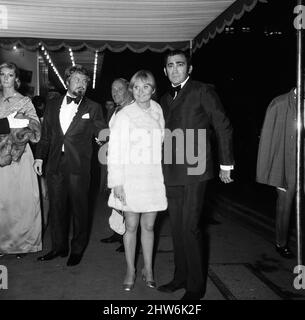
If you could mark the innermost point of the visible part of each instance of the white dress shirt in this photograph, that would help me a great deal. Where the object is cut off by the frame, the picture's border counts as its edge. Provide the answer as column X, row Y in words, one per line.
column 66, row 115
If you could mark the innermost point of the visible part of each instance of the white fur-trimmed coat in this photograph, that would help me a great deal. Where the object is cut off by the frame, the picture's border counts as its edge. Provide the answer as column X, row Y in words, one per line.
column 134, row 158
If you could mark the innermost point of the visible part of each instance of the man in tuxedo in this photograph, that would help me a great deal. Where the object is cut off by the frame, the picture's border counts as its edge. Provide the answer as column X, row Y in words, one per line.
column 191, row 106
column 121, row 97
column 70, row 123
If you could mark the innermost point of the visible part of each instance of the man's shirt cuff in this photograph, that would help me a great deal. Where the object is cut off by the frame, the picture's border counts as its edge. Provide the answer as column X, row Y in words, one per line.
column 222, row 167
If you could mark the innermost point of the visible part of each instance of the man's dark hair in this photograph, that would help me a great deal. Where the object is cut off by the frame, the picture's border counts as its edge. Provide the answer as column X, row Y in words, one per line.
column 77, row 68
column 178, row 52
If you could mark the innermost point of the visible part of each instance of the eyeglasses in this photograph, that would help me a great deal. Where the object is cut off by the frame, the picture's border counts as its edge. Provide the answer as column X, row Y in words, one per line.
column 77, row 80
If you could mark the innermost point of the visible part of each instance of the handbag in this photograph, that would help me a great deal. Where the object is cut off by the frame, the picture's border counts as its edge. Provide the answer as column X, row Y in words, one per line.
column 114, row 202
column 117, row 221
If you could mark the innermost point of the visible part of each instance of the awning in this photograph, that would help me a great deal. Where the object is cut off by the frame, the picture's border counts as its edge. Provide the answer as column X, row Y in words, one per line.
column 139, row 25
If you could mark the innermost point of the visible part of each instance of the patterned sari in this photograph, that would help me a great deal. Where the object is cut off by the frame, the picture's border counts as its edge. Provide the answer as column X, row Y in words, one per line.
column 20, row 214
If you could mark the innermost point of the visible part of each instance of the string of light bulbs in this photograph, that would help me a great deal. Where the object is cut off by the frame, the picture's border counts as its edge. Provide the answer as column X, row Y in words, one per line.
column 95, row 69
column 48, row 58
column 71, row 57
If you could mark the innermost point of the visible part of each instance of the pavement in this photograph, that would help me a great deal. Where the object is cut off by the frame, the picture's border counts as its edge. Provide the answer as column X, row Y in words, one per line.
column 243, row 264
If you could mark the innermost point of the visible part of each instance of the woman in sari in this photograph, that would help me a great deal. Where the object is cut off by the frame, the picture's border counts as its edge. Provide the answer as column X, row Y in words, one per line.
column 20, row 214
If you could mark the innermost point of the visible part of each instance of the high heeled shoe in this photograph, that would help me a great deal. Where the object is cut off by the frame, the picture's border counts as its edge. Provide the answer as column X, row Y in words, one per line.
column 129, row 286
column 149, row 283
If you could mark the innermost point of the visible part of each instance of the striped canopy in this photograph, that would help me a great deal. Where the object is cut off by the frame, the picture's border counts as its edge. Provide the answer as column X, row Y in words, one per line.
column 139, row 25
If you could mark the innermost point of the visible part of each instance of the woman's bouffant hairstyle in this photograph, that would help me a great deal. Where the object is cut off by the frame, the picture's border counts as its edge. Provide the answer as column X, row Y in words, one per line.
column 77, row 68
column 12, row 66
column 144, row 75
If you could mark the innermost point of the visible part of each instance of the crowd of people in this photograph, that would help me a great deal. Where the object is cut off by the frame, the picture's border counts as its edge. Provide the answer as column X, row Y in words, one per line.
column 147, row 171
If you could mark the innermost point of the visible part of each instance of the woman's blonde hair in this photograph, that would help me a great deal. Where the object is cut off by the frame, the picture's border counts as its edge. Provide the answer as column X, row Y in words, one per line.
column 144, row 75
column 12, row 66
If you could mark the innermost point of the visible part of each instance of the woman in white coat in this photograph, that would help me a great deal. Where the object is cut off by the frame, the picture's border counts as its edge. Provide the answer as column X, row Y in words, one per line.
column 135, row 172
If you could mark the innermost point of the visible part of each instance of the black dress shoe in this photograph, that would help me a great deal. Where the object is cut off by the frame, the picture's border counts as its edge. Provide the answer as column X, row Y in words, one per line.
column 74, row 259
column 114, row 238
column 52, row 255
column 285, row 252
column 189, row 295
column 171, row 287
column 121, row 248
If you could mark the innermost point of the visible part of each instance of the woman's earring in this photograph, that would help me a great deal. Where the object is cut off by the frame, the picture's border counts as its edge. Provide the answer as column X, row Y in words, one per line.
column 17, row 83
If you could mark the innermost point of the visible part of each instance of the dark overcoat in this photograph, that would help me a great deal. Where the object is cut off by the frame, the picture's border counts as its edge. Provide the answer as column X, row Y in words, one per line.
column 276, row 162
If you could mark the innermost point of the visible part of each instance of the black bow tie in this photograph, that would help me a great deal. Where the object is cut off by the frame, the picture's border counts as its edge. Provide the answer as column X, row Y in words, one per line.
column 174, row 90
column 76, row 100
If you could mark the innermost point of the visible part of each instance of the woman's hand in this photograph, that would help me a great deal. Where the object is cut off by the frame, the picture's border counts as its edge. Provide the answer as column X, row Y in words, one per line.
column 120, row 194
column 38, row 166
column 17, row 123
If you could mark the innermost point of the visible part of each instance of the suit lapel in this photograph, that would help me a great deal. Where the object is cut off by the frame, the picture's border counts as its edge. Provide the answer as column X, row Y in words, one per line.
column 110, row 114
column 57, row 107
column 180, row 95
column 172, row 104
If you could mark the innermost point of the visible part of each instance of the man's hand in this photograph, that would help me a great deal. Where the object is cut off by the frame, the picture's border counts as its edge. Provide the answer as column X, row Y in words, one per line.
column 38, row 166
column 225, row 176
column 17, row 123
column 120, row 194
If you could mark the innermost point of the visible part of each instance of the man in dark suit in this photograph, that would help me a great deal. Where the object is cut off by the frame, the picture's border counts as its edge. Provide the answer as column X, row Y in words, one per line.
column 191, row 108
column 70, row 122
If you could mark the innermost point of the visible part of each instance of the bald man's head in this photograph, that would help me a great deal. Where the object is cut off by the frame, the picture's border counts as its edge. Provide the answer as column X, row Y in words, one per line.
column 120, row 93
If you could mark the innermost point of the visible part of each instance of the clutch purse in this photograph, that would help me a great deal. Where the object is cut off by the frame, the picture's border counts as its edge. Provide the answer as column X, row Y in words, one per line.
column 114, row 202
column 117, row 221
